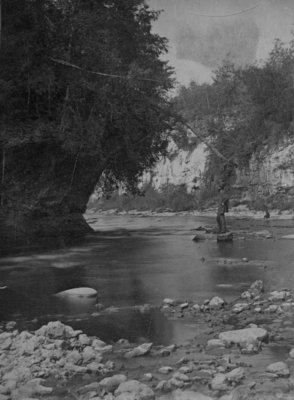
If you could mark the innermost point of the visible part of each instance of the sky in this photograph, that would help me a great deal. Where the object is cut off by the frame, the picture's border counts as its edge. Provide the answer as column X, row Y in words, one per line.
column 203, row 33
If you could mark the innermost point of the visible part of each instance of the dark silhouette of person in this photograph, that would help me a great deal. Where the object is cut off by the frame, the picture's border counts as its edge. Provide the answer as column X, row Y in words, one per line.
column 223, row 207
column 267, row 214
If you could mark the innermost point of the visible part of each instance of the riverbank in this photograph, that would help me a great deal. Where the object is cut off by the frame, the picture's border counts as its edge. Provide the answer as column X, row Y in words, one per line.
column 235, row 212
column 241, row 350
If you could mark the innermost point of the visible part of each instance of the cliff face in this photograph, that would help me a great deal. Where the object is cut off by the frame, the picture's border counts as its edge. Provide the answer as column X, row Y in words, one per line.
column 44, row 191
column 270, row 173
column 181, row 167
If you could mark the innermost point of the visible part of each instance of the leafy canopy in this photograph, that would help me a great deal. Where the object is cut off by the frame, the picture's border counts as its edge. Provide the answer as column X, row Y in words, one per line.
column 88, row 75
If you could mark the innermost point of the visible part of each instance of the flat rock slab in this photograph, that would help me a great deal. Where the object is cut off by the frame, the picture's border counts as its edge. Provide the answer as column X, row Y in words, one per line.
column 78, row 292
column 225, row 237
column 243, row 336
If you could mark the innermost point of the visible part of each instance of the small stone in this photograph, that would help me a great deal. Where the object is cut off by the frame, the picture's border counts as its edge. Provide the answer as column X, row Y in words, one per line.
column 247, row 295
column 239, row 307
column 6, row 344
column 291, row 354
column 98, row 344
column 84, row 340
column 112, row 383
column 140, row 390
column 236, row 375
column 186, row 369
column 166, row 351
column 181, row 377
column 272, row 308
column 139, row 351
column 147, row 377
column 219, row 382
column 165, row 370
column 215, row 343
column 10, row 326
column 183, row 306
column 279, row 295
column 169, row 302
column 216, row 302
column 88, row 354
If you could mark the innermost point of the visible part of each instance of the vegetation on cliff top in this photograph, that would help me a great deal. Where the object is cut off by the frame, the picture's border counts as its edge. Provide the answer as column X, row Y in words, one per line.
column 244, row 109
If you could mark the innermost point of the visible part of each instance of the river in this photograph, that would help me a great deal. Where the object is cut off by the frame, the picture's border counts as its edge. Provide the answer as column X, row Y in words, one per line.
column 137, row 260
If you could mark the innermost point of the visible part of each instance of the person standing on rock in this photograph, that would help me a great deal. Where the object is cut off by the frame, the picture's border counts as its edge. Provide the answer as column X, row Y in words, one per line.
column 223, row 207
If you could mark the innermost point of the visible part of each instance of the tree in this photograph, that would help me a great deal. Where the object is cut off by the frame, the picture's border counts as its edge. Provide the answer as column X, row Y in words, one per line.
column 83, row 82
column 244, row 109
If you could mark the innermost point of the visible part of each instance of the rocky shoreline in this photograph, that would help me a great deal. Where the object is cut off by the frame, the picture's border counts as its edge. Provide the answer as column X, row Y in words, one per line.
column 230, row 358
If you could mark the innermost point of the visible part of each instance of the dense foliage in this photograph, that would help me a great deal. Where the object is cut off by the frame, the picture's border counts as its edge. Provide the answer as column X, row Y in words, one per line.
column 244, row 109
column 86, row 75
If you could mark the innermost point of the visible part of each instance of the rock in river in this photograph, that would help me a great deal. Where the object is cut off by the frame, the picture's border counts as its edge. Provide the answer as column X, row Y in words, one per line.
column 279, row 368
column 84, row 292
column 243, row 336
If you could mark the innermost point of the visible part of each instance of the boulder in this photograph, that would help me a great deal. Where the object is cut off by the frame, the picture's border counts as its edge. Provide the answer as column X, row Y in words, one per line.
column 279, row 368
column 140, row 391
column 244, row 336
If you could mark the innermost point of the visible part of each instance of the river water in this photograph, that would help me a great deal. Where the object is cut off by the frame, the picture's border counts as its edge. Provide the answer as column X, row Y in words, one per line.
column 135, row 260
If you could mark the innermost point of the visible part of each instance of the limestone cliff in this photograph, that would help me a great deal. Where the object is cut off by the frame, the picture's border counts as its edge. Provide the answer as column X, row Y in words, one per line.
column 270, row 173
column 180, row 167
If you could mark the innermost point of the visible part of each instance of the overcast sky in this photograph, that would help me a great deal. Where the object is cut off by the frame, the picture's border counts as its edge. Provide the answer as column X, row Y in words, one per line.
column 201, row 34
